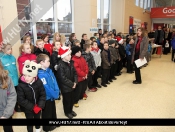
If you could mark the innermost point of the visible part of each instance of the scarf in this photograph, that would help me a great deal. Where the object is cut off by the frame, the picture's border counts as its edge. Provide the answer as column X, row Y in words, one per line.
column 109, row 55
column 97, row 49
column 137, row 48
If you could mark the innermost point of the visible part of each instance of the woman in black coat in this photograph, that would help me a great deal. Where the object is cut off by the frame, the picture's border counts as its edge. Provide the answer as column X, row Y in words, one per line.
column 139, row 52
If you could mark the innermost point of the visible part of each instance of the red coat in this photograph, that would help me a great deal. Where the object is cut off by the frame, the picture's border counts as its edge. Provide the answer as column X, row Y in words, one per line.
column 49, row 48
column 81, row 67
column 23, row 58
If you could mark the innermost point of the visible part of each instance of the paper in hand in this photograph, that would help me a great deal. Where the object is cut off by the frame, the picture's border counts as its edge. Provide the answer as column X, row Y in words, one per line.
column 140, row 62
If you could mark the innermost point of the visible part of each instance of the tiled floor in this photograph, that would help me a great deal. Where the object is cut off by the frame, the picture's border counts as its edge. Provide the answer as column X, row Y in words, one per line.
column 154, row 98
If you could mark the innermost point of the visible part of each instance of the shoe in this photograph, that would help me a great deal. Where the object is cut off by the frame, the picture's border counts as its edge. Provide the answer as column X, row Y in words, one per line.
column 84, row 98
column 52, row 128
column 76, row 105
column 92, row 89
column 110, row 80
column 136, row 82
column 74, row 114
column 108, row 83
column 38, row 130
column 118, row 74
column 130, row 72
column 104, row 85
column 114, row 78
column 98, row 86
column 70, row 116
column 85, row 95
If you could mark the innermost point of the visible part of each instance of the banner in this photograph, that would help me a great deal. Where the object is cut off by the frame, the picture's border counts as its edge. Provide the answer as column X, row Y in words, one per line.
column 163, row 12
column 88, row 122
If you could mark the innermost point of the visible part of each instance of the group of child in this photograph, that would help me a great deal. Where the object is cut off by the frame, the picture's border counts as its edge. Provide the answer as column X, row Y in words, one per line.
column 46, row 70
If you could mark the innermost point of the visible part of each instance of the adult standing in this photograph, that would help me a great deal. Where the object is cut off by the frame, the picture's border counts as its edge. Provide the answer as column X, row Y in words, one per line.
column 72, row 38
column 139, row 52
column 159, row 36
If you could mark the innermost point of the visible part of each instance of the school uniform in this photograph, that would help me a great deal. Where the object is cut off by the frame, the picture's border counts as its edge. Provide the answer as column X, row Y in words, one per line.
column 129, row 50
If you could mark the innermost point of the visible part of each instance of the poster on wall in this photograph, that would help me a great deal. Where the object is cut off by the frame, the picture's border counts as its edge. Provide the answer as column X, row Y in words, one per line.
column 137, row 24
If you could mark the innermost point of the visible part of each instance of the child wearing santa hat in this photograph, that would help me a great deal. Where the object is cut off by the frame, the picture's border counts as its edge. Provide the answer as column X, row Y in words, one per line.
column 67, row 79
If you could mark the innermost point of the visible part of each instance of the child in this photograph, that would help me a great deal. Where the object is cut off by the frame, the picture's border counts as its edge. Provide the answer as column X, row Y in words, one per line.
column 56, row 37
column 84, row 38
column 67, row 78
column 51, row 87
column 55, row 58
column 166, row 47
column 129, row 50
column 9, row 64
column 76, row 43
column 173, row 49
column 149, row 53
column 47, row 45
column 26, row 54
column 92, row 39
column 81, row 68
column 40, row 48
column 27, row 39
column 7, row 97
column 96, row 52
column 115, row 57
column 118, row 61
column 30, row 93
column 107, row 61
column 121, row 52
column 106, row 39
column 102, row 41
column 96, row 35
column 91, row 65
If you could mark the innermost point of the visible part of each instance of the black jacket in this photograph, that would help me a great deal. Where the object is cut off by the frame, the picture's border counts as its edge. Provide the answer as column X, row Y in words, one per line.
column 90, row 61
column 29, row 95
column 82, row 43
column 38, row 51
column 100, row 46
column 114, row 53
column 122, row 51
column 54, row 60
column 66, row 76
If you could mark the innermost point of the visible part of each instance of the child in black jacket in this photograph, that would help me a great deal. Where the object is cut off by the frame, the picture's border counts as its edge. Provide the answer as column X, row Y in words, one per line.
column 67, row 79
column 31, row 94
column 41, row 49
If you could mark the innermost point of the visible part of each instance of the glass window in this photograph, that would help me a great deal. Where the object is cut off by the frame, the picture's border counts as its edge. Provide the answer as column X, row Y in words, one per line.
column 141, row 3
column 137, row 2
column 105, row 28
column 98, row 11
column 149, row 4
column 48, row 16
column 65, row 27
column 64, row 10
column 45, row 28
column 145, row 4
column 106, row 11
column 26, row 30
column 99, row 26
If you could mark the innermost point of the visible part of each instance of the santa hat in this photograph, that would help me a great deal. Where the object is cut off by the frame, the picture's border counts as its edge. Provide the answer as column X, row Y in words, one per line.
column 64, row 51
column 120, row 40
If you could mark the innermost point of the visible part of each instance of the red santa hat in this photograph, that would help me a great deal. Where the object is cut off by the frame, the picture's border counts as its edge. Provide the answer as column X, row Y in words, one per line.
column 64, row 51
column 120, row 40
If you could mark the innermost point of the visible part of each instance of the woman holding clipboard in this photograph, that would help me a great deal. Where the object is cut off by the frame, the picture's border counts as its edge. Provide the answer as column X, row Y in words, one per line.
column 139, row 52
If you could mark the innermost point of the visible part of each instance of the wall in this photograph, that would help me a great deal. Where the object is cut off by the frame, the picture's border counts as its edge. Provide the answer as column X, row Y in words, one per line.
column 84, row 12
column 117, row 15
column 132, row 10
column 8, row 14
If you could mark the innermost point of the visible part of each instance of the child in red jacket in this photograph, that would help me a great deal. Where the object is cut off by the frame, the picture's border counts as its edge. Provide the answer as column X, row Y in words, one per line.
column 26, row 54
column 47, row 45
column 81, row 68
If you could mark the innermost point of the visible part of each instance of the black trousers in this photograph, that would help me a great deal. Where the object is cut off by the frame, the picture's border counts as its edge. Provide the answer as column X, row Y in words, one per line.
column 32, row 115
column 112, row 71
column 173, row 52
column 137, row 73
column 119, row 68
column 116, row 67
column 68, row 102
column 129, row 66
column 49, row 112
column 90, row 80
column 8, row 128
column 95, row 77
column 17, row 107
column 105, row 76
column 80, row 90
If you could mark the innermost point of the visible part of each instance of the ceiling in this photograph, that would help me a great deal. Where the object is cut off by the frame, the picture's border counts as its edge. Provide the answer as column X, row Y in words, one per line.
column 164, row 3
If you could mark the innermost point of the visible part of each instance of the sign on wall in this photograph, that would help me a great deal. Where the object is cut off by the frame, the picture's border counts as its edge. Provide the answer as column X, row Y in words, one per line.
column 137, row 24
column 93, row 29
column 163, row 12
